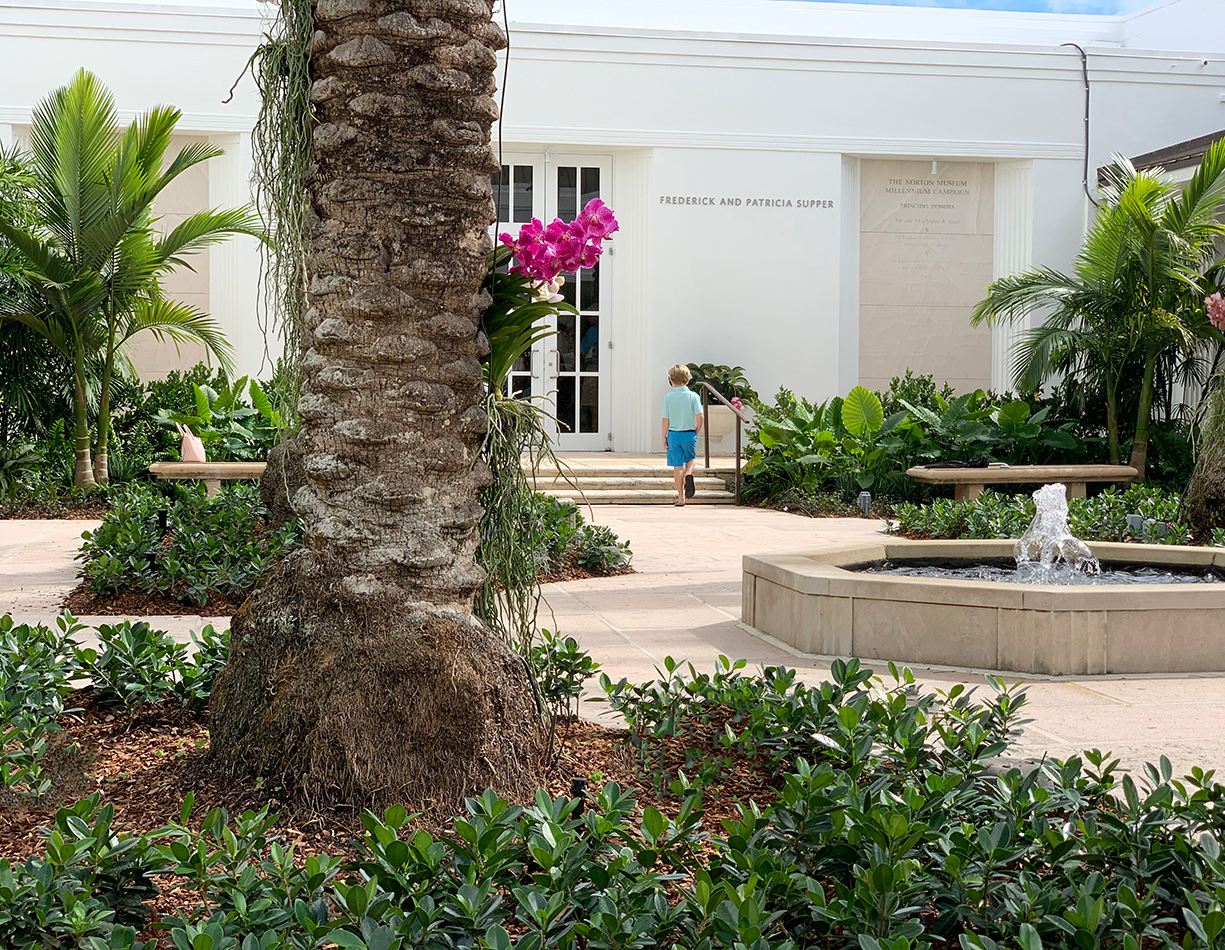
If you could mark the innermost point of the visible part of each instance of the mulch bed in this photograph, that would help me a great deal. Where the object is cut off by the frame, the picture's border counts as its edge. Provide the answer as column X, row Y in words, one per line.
column 75, row 513
column 576, row 572
column 145, row 762
column 82, row 602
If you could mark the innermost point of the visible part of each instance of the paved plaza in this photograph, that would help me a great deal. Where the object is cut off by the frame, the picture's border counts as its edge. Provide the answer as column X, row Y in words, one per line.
column 684, row 601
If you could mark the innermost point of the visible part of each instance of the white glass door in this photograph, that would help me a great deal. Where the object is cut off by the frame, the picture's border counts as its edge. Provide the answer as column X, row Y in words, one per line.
column 568, row 369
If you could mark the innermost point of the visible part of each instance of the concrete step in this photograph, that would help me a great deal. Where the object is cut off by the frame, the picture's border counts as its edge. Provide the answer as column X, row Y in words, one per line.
column 545, row 474
column 627, row 496
column 599, row 482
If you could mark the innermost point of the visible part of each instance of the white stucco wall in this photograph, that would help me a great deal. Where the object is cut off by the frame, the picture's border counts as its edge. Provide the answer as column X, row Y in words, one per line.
column 722, row 98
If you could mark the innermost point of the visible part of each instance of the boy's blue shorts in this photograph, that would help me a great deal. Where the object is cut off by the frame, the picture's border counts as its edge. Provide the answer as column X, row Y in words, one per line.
column 682, row 447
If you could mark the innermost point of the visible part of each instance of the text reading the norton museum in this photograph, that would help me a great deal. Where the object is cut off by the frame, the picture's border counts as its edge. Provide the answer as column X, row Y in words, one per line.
column 709, row 201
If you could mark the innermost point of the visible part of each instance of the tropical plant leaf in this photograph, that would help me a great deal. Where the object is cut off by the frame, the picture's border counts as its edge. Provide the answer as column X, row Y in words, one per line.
column 862, row 412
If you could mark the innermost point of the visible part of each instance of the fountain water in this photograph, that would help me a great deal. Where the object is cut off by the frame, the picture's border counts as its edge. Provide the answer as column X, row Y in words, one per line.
column 1048, row 553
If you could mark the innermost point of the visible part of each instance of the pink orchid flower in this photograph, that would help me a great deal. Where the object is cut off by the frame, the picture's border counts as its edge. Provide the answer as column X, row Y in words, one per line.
column 1215, row 305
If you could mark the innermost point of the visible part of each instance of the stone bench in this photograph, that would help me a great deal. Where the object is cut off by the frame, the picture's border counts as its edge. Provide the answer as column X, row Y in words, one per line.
column 968, row 483
column 211, row 473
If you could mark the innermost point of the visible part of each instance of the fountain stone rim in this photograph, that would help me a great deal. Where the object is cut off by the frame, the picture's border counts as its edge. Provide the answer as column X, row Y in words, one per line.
column 811, row 600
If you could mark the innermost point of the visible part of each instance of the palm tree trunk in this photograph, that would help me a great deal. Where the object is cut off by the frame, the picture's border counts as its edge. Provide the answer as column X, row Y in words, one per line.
column 1112, row 419
column 1204, row 503
column 1144, row 412
column 101, row 472
column 83, row 472
column 357, row 673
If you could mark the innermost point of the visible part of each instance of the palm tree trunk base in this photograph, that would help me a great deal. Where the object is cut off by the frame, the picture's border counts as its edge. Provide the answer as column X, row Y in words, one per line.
column 372, row 704
column 1203, row 508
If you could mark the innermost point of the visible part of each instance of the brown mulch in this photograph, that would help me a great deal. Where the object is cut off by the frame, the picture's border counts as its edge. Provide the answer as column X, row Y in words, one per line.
column 75, row 513
column 576, row 572
column 144, row 763
column 133, row 603
column 82, row 602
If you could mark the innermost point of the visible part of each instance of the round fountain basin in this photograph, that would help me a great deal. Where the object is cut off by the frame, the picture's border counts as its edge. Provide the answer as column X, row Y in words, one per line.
column 818, row 601
column 1007, row 571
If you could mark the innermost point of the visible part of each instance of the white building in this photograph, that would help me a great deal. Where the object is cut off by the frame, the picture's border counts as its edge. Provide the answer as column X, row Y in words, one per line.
column 817, row 192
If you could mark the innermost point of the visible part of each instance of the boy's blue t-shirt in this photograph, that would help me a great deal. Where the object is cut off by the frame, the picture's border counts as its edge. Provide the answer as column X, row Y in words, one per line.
column 681, row 408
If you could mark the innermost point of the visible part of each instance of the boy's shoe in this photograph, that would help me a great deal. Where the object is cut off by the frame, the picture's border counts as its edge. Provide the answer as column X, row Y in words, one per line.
column 690, row 488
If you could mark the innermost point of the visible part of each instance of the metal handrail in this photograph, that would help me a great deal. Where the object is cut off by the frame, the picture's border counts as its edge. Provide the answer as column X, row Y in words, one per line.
column 707, row 391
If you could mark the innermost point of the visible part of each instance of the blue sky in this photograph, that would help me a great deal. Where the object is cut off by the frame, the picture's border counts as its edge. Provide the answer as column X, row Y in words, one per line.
column 1031, row 6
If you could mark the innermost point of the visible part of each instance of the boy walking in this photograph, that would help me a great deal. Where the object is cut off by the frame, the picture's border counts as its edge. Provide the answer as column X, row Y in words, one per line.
column 681, row 423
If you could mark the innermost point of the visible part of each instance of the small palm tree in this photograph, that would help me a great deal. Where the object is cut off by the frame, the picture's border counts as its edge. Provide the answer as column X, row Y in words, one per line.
column 91, row 259
column 1133, row 292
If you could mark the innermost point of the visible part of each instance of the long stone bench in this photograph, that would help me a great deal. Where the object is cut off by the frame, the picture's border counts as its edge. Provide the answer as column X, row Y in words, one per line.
column 211, row 473
column 968, row 483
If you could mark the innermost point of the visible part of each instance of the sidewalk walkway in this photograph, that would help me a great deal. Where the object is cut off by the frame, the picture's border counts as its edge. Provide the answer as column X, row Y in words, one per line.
column 684, row 602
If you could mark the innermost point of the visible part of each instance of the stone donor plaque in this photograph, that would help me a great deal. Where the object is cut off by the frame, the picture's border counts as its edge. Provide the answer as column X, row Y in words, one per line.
column 925, row 260
column 745, row 201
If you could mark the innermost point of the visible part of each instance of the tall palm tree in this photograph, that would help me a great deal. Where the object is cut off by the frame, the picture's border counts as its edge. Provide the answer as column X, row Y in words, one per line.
column 357, row 672
column 1132, row 294
column 91, row 258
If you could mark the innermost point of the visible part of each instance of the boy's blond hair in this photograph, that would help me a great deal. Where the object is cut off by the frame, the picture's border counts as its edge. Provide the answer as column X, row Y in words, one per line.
column 678, row 375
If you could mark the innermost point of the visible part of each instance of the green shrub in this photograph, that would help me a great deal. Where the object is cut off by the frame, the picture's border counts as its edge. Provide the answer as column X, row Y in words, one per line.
column 895, row 825
column 565, row 538
column 1101, row 518
column 868, row 441
column 37, row 665
column 561, row 667
column 599, row 549
column 194, row 685
column 230, row 428
column 136, row 665
column 729, row 381
column 216, row 546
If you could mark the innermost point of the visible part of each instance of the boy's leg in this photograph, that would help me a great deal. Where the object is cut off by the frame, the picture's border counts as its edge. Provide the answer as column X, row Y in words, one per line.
column 689, row 466
column 678, row 476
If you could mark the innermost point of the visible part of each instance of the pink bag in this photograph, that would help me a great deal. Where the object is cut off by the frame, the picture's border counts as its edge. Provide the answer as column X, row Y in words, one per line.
column 192, row 449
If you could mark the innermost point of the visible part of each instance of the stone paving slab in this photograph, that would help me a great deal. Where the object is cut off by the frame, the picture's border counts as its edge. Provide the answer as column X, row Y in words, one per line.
column 684, row 602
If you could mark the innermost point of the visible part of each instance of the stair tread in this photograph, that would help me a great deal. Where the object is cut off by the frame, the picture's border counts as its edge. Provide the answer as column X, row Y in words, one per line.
column 643, row 496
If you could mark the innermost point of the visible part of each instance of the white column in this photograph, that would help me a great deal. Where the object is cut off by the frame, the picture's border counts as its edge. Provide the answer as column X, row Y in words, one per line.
column 1013, row 253
column 233, row 286
column 848, row 294
column 632, row 354
column 6, row 135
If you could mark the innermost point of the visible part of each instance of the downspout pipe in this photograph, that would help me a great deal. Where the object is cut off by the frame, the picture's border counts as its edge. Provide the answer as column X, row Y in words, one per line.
column 1084, row 72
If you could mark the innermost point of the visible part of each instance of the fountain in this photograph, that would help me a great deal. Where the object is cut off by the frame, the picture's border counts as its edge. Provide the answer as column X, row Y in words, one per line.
column 1143, row 608
column 1047, row 551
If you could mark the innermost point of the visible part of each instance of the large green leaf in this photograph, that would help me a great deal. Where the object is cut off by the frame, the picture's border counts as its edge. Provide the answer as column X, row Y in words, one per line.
column 1015, row 413
column 862, row 412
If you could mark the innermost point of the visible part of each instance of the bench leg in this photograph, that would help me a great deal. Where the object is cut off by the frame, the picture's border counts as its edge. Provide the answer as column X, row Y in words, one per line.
column 966, row 492
column 1076, row 489
column 212, row 487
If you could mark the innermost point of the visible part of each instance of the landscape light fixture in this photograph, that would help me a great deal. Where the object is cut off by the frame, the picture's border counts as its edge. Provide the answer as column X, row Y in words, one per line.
column 865, row 502
column 1135, row 524
column 578, row 789
column 163, row 520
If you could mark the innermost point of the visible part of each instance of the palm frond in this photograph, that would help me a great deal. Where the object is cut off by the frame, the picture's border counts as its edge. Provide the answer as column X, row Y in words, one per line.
column 178, row 322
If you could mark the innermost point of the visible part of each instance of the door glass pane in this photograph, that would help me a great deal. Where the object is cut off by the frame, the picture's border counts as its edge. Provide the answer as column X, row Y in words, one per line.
column 589, row 288
column 589, row 404
column 523, row 193
column 565, row 403
column 565, row 343
column 520, row 386
column 589, row 343
column 568, row 292
column 567, row 193
column 501, row 192
column 524, row 363
column 591, row 185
